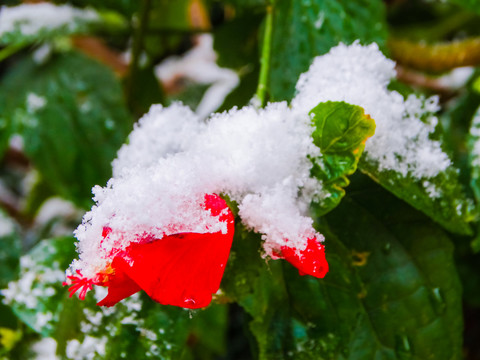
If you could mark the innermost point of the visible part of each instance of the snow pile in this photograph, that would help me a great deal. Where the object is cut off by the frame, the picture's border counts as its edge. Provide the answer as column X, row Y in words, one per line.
column 30, row 19
column 359, row 75
column 258, row 157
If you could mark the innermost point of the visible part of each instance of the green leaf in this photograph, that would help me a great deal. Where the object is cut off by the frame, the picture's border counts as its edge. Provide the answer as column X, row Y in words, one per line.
column 410, row 288
column 72, row 117
column 178, row 15
column 392, row 291
column 10, row 249
column 473, row 5
column 243, row 57
column 442, row 197
column 305, row 29
column 340, row 132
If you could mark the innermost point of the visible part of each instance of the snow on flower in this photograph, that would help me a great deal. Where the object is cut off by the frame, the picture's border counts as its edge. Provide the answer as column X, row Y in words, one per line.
column 153, row 226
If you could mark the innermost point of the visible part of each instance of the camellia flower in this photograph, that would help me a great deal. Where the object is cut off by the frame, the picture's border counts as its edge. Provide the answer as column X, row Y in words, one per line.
column 182, row 269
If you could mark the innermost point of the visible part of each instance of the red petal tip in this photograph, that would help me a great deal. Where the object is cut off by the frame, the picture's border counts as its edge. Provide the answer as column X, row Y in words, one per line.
column 310, row 261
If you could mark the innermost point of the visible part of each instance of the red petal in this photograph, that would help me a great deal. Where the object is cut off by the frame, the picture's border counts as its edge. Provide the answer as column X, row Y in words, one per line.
column 120, row 286
column 310, row 261
column 181, row 270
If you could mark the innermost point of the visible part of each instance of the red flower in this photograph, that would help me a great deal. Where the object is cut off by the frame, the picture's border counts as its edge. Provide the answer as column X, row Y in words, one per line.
column 182, row 269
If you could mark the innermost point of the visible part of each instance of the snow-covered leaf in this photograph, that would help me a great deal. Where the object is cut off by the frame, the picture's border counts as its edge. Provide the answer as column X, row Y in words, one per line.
column 441, row 197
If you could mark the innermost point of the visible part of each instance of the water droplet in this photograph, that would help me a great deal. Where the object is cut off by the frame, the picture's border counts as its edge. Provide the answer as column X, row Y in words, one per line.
column 189, row 301
column 438, row 301
column 403, row 348
column 387, row 248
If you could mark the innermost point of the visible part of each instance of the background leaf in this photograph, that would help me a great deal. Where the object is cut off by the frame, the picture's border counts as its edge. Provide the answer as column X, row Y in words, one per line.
column 305, row 29
column 72, row 117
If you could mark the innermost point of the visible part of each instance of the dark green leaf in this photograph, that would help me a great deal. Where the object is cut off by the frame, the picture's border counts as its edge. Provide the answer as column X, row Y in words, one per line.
column 243, row 57
column 248, row 4
column 305, row 29
column 410, row 287
column 10, row 249
column 72, row 117
column 340, row 131
column 392, row 291
column 450, row 208
column 473, row 5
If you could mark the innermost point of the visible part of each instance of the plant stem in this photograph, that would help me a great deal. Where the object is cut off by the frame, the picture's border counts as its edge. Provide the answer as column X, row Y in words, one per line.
column 137, row 47
column 10, row 50
column 265, row 58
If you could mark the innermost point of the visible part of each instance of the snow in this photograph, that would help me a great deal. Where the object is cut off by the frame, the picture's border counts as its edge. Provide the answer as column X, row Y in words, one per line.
column 359, row 75
column 199, row 66
column 257, row 157
column 456, row 78
column 35, row 102
column 45, row 349
column 42, row 54
column 7, row 226
column 30, row 19
column 90, row 348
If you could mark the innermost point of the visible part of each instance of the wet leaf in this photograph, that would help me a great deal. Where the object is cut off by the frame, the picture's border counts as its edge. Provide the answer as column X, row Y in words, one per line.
column 72, row 117
column 340, row 132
